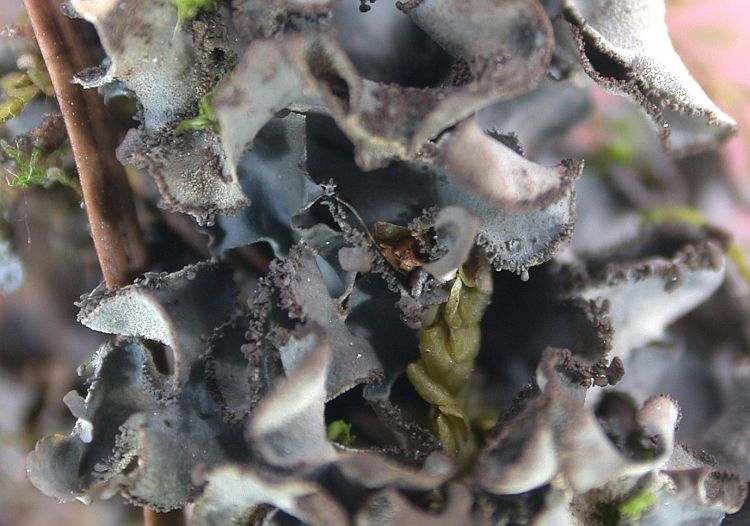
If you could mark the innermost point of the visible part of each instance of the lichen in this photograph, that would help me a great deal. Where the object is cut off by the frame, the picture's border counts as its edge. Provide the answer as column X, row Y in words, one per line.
column 684, row 214
column 388, row 192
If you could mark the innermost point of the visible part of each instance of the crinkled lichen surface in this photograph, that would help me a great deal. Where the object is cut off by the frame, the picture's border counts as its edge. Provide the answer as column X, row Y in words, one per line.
column 424, row 346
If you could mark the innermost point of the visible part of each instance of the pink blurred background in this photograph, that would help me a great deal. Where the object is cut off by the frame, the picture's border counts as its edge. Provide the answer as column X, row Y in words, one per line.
column 713, row 39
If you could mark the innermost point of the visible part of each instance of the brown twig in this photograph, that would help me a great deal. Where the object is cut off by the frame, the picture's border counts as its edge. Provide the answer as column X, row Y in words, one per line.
column 172, row 518
column 106, row 193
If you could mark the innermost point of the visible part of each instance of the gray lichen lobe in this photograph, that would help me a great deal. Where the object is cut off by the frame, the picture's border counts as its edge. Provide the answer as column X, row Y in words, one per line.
column 374, row 173
column 632, row 37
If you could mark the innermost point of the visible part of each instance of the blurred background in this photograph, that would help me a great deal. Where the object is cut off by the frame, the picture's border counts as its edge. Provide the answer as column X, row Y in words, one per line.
column 41, row 344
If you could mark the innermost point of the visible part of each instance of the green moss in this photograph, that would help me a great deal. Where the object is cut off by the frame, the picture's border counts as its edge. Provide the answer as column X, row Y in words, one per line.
column 630, row 509
column 449, row 342
column 20, row 90
column 37, row 73
column 675, row 214
column 21, row 87
column 205, row 118
column 340, row 432
column 634, row 507
column 32, row 171
column 737, row 255
column 620, row 150
column 189, row 9
column 607, row 514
